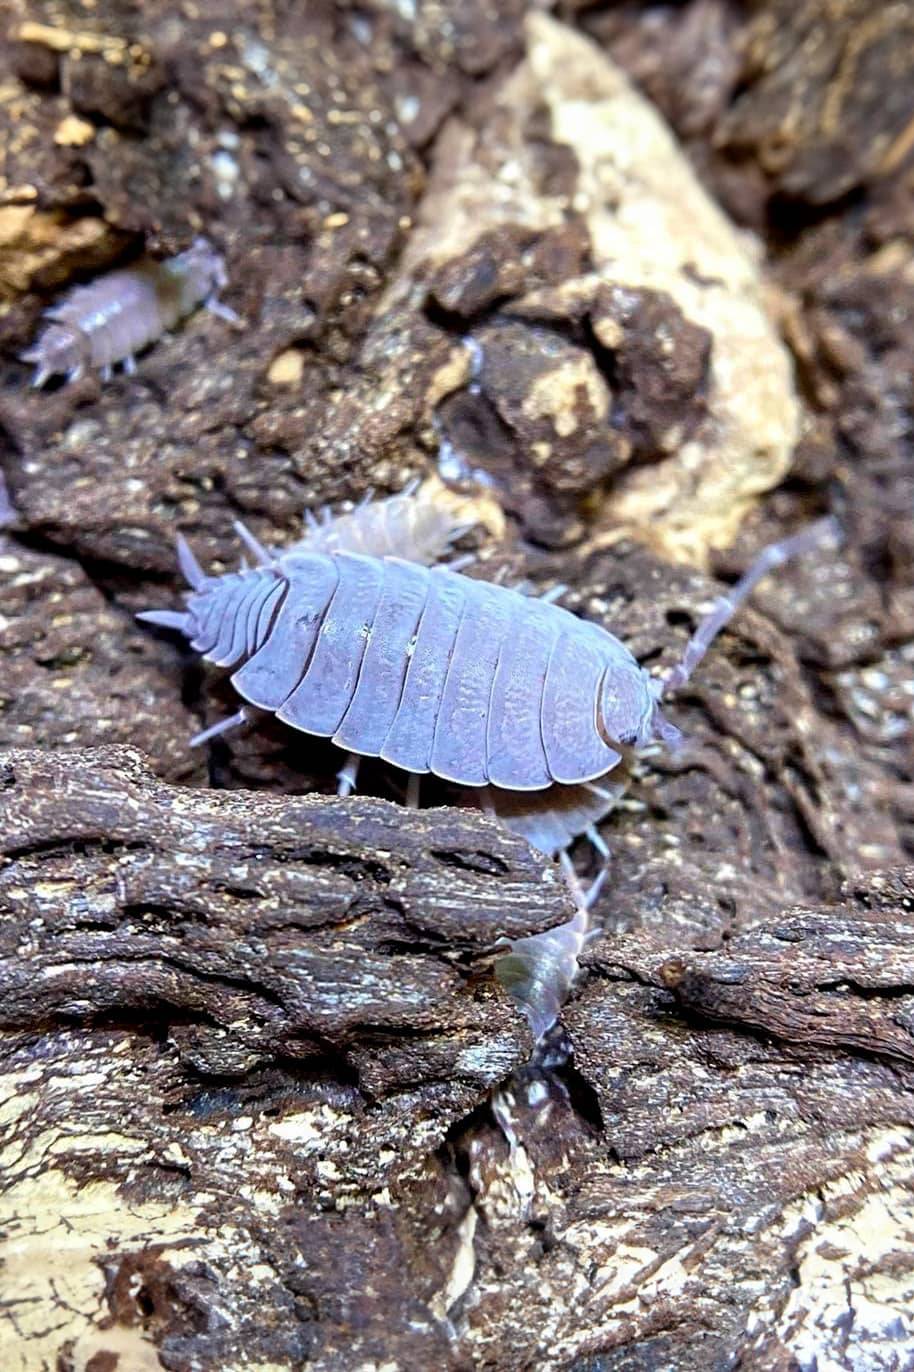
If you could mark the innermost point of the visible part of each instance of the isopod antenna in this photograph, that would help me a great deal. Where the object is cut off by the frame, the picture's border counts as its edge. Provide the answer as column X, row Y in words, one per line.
column 725, row 606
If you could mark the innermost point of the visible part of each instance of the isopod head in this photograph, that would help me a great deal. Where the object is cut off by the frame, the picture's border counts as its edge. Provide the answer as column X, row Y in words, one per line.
column 628, row 711
column 200, row 273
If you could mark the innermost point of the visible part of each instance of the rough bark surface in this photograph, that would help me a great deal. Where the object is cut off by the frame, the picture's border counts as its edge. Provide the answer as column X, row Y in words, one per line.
column 263, row 1102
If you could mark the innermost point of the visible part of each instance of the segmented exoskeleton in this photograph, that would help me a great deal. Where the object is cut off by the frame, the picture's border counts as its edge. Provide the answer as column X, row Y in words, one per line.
column 420, row 524
column 121, row 313
column 426, row 668
column 437, row 672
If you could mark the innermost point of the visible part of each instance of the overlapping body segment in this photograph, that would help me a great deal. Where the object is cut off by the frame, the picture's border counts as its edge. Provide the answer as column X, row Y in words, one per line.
column 429, row 669
column 321, row 698
column 388, row 654
column 270, row 675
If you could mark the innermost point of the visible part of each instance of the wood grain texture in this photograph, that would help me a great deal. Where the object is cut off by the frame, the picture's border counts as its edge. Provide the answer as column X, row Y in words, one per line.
column 299, row 923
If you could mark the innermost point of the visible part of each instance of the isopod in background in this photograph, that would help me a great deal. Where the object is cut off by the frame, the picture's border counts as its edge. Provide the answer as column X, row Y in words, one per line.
column 419, row 524
column 113, row 318
column 437, row 672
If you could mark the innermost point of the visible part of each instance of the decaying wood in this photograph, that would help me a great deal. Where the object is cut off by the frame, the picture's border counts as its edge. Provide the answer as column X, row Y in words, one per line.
column 262, row 1102
column 257, row 1026
column 289, row 927
column 188, row 957
column 828, row 977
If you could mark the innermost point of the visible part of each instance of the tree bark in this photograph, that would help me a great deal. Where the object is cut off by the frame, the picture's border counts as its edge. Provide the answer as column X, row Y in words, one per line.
column 263, row 1102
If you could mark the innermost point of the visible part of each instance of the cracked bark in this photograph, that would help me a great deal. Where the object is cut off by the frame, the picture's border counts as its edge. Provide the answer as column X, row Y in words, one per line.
column 226, row 1029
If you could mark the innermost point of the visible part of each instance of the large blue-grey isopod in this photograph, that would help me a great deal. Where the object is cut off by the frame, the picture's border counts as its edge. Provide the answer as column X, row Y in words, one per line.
column 435, row 671
column 432, row 670
column 424, row 667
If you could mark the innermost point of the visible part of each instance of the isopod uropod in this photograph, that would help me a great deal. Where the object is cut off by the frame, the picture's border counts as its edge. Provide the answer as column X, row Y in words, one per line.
column 121, row 313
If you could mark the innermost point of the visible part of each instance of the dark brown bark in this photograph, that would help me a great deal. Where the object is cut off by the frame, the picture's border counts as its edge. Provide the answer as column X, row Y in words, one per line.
column 263, row 1103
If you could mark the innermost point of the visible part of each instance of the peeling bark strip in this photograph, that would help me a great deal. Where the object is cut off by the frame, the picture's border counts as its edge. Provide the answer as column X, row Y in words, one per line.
column 828, row 977
column 837, row 976
column 294, row 925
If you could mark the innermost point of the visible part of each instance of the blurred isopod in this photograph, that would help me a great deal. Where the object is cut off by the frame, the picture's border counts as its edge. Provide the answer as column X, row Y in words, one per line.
column 119, row 314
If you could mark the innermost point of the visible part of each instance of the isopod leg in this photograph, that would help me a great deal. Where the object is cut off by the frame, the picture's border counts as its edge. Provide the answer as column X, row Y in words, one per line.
column 221, row 311
column 413, row 782
column 596, row 841
column 726, row 606
column 223, row 727
column 583, row 898
column 347, row 775
column 457, row 564
column 129, row 364
column 590, row 896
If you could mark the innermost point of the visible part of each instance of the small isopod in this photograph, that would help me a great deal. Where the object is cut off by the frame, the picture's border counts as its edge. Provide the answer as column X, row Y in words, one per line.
column 436, row 672
column 551, row 821
column 118, row 315
column 419, row 524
